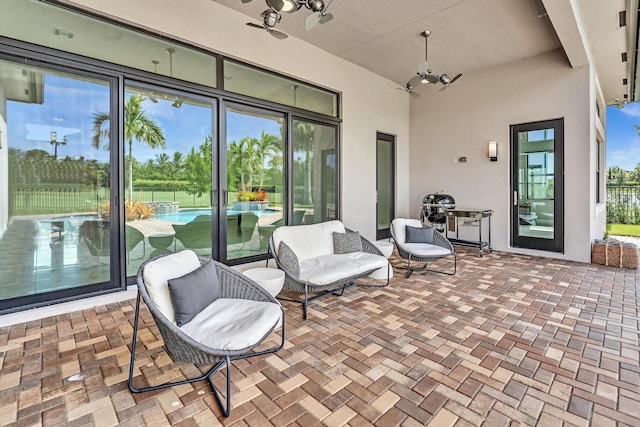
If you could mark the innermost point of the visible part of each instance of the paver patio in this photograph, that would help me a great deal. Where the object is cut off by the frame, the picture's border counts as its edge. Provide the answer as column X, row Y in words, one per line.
column 509, row 340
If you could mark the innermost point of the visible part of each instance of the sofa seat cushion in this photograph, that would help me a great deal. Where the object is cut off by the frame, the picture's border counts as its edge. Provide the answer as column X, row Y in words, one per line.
column 233, row 324
column 425, row 249
column 327, row 269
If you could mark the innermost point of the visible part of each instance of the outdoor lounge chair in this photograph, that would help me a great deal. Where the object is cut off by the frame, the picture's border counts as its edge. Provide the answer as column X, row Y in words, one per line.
column 232, row 327
column 96, row 236
column 426, row 251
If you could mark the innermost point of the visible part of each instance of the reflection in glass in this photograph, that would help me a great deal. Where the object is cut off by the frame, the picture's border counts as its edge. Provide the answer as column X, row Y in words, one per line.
column 255, row 180
column 260, row 84
column 314, row 172
column 168, row 175
column 536, row 183
column 53, row 182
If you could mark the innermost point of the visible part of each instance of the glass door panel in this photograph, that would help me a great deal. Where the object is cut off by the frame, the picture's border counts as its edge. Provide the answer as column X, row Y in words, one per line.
column 53, row 184
column 315, row 164
column 255, row 180
column 168, row 174
column 385, row 183
column 537, row 197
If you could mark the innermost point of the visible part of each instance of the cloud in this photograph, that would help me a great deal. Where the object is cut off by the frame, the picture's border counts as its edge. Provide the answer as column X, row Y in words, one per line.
column 626, row 158
column 632, row 110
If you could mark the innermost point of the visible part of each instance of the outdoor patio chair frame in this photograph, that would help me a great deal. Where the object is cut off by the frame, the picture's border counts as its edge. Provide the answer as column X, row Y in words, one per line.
column 439, row 240
column 182, row 348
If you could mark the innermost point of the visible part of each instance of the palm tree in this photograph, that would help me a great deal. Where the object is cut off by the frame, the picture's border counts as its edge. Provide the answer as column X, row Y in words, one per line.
column 267, row 146
column 615, row 173
column 303, row 136
column 137, row 126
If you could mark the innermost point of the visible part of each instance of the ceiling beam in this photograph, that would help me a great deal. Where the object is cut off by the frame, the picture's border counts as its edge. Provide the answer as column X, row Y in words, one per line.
column 565, row 18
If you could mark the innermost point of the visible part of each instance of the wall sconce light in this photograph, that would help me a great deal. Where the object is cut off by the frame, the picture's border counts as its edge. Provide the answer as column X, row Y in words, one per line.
column 493, row 151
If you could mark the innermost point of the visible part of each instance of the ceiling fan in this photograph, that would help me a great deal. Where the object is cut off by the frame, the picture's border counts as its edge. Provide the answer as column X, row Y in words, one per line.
column 425, row 75
column 271, row 16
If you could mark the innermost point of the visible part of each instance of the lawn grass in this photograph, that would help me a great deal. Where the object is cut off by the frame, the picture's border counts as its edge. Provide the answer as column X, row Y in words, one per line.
column 623, row 230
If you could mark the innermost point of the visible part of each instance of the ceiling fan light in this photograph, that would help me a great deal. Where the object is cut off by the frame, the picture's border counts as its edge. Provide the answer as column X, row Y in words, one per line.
column 315, row 5
column 286, row 6
column 444, row 79
column 424, row 80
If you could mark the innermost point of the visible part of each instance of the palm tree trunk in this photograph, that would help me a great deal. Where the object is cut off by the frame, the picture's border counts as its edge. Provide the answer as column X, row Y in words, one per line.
column 130, row 172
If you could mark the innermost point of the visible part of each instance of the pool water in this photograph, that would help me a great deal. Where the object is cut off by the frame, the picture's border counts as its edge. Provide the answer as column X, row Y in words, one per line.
column 189, row 215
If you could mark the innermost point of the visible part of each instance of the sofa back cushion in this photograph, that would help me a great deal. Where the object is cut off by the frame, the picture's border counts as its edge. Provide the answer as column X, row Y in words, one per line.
column 308, row 241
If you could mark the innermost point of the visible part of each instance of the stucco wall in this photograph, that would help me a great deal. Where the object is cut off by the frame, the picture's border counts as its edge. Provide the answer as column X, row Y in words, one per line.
column 479, row 108
column 370, row 103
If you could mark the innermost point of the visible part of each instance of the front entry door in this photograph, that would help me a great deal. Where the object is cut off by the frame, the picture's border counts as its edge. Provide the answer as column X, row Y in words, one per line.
column 537, row 185
column 385, row 184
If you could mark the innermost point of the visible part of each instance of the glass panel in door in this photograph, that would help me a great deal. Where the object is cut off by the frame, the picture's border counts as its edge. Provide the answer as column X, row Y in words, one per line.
column 385, row 183
column 537, row 213
column 255, row 180
column 314, row 173
column 53, row 183
column 168, row 174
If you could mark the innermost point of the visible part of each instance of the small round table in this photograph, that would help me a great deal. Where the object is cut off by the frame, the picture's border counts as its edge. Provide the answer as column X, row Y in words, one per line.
column 385, row 247
column 272, row 279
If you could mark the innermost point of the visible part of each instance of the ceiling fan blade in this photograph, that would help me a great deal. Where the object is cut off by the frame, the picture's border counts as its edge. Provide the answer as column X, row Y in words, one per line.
column 312, row 20
column 278, row 34
column 326, row 18
column 443, row 88
column 246, row 1
column 455, row 78
column 251, row 24
column 415, row 80
column 413, row 94
column 276, row 5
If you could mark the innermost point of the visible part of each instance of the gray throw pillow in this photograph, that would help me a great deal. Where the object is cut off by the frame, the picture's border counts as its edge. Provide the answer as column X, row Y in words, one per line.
column 419, row 234
column 288, row 259
column 193, row 292
column 344, row 243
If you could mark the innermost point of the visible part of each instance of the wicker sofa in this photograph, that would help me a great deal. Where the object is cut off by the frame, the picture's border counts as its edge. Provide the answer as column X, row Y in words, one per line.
column 318, row 269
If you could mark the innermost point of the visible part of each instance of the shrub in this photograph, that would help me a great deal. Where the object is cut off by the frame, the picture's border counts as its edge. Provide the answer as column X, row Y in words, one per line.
column 132, row 210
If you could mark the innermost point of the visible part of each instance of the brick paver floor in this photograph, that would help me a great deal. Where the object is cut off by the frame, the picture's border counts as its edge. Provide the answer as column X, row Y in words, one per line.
column 509, row 340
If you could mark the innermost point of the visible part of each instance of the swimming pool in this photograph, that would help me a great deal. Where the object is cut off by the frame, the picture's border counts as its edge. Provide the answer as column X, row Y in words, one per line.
column 189, row 215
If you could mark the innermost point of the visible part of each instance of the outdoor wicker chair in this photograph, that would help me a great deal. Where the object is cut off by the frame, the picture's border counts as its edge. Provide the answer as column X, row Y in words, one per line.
column 248, row 314
column 438, row 248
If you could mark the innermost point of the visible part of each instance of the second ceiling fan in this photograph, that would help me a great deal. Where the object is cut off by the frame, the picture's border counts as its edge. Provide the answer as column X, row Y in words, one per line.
column 273, row 15
column 425, row 75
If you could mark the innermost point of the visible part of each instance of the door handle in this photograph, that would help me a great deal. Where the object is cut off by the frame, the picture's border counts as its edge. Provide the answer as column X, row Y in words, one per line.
column 224, row 198
column 214, row 201
column 515, row 198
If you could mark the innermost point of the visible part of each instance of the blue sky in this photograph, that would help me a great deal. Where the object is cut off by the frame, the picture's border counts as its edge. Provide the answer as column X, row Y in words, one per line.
column 623, row 143
column 69, row 104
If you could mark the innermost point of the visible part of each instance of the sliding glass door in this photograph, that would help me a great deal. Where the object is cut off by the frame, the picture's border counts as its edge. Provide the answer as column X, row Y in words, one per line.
column 255, row 181
column 314, row 168
column 168, row 174
column 52, row 182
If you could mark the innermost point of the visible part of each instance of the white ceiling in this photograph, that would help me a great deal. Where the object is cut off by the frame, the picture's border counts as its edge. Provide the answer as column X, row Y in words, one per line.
column 383, row 36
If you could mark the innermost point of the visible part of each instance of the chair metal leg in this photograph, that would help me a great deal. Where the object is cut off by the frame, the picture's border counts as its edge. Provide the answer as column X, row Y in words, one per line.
column 225, row 406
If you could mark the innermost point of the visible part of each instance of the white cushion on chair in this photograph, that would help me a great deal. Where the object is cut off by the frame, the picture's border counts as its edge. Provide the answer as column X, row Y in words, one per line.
column 425, row 249
column 233, row 324
column 399, row 228
column 158, row 272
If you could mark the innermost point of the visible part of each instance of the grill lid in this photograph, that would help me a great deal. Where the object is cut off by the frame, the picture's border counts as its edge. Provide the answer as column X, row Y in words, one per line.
column 438, row 199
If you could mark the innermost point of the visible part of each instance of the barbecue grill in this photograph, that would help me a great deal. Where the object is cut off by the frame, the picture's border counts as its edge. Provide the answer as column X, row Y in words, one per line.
column 434, row 208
